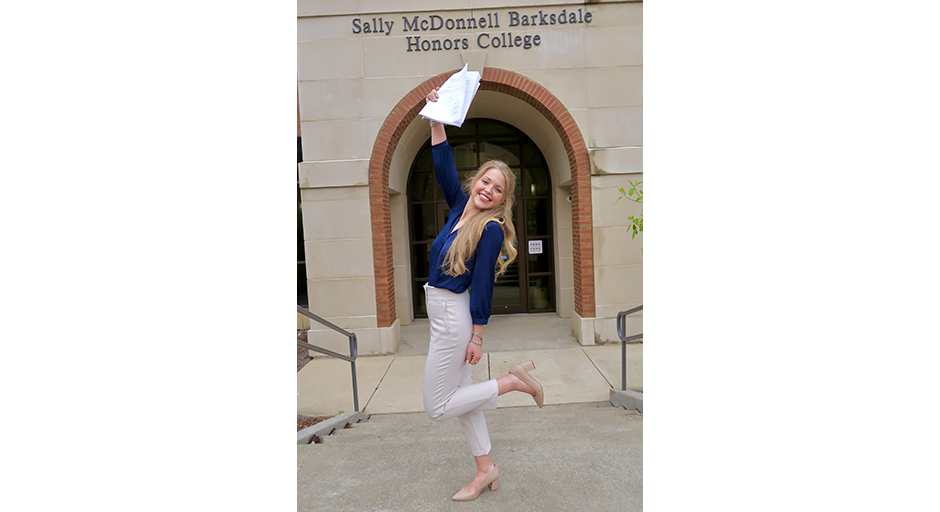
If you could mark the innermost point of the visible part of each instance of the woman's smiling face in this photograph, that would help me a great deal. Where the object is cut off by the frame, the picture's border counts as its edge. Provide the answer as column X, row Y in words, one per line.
column 488, row 191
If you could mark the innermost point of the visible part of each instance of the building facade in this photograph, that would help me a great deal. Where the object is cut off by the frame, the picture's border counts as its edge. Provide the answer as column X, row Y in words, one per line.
column 560, row 101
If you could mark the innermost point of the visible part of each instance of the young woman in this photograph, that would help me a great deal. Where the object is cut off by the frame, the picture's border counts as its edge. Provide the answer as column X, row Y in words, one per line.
column 464, row 259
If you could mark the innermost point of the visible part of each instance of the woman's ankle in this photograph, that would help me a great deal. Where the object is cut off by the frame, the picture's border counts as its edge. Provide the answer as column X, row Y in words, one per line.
column 484, row 464
column 505, row 384
column 510, row 382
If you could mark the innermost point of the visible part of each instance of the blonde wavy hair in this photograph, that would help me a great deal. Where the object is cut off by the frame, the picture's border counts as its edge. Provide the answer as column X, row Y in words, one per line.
column 465, row 243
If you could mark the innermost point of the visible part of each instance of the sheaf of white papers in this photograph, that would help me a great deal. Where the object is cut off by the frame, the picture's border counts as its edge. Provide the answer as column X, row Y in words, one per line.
column 454, row 99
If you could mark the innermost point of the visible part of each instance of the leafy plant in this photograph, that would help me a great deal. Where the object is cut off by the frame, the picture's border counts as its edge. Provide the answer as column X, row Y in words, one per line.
column 635, row 190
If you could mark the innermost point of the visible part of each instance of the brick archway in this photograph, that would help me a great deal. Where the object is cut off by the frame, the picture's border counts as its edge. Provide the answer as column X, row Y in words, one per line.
column 518, row 86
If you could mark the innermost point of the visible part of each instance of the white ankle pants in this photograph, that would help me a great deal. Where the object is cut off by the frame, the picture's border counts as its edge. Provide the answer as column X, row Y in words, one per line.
column 448, row 391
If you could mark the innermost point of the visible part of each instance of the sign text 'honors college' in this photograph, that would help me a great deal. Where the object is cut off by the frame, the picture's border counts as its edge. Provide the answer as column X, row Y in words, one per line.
column 484, row 40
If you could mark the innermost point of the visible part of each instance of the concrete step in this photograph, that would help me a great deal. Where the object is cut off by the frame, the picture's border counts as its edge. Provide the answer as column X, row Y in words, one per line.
column 556, row 458
column 351, row 434
column 325, row 427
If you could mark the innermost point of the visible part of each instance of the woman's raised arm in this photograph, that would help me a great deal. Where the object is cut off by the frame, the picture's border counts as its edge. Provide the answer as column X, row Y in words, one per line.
column 438, row 134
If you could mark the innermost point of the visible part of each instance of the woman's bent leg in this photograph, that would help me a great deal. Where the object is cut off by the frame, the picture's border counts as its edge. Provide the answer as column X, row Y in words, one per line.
column 448, row 391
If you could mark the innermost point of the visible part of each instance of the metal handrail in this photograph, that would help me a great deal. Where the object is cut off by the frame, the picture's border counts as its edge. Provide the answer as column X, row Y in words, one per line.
column 353, row 349
column 622, row 332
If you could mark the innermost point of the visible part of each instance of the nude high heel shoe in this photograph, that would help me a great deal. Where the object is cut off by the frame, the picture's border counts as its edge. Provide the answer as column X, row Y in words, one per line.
column 492, row 480
column 522, row 370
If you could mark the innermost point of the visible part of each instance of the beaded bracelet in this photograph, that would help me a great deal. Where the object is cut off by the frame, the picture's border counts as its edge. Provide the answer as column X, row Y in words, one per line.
column 475, row 343
column 433, row 123
column 478, row 335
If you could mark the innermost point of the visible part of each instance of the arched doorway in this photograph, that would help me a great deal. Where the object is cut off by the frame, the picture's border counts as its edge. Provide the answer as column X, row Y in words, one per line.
column 528, row 286
column 568, row 161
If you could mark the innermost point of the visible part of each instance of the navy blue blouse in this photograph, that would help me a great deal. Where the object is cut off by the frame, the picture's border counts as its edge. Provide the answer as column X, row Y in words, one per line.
column 481, row 268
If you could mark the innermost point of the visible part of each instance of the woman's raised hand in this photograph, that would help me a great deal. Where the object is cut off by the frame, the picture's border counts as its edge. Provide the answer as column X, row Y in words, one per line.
column 433, row 95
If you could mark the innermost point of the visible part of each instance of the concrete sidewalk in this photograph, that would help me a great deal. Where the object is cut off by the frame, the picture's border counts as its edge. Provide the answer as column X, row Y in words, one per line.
column 568, row 372
column 585, row 456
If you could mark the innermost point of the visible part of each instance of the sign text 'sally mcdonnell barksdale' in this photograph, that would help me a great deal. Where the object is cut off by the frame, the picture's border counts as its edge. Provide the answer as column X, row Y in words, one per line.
column 484, row 40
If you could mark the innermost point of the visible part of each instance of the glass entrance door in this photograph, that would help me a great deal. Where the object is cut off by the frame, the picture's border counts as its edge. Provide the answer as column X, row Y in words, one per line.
column 529, row 283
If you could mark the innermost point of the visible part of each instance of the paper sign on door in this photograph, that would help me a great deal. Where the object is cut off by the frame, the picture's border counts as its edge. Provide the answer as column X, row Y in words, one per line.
column 535, row 247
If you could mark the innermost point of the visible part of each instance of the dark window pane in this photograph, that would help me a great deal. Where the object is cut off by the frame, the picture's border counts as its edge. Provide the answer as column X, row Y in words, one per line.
column 506, row 289
column 507, row 150
column 537, row 217
column 302, row 285
column 539, row 262
column 300, row 228
column 422, row 218
column 465, row 155
column 537, row 181
column 531, row 155
column 490, row 128
column 422, row 186
column 467, row 130
column 518, row 172
column 421, row 305
column 541, row 293
column 424, row 162
column 422, row 260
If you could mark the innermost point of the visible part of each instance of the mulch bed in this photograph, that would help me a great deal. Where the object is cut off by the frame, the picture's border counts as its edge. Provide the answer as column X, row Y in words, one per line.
column 307, row 421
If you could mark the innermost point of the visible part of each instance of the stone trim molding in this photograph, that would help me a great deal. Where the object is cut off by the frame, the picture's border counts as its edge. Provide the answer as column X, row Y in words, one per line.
column 517, row 86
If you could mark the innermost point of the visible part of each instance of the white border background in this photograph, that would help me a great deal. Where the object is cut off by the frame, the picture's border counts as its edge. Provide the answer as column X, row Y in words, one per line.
column 147, row 206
